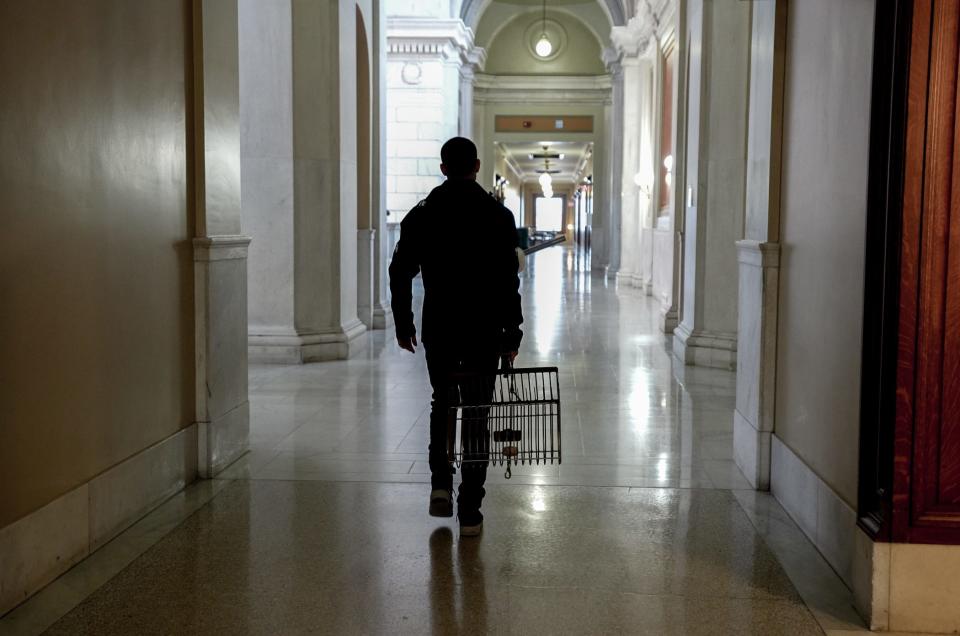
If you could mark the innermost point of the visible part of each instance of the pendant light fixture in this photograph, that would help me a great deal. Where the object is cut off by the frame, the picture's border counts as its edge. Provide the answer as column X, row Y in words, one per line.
column 544, row 46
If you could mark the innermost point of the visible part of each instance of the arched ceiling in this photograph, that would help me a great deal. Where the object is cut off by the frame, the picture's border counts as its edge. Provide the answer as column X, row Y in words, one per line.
column 509, row 37
column 471, row 11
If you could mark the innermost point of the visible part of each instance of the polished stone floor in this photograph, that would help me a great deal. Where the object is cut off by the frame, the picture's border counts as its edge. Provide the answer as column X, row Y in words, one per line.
column 647, row 527
column 631, row 415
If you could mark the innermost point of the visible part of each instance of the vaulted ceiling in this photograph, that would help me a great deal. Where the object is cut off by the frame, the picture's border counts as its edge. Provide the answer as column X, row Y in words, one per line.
column 518, row 155
column 616, row 11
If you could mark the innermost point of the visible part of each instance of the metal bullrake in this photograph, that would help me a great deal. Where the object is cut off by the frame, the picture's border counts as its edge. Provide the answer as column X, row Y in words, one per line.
column 507, row 417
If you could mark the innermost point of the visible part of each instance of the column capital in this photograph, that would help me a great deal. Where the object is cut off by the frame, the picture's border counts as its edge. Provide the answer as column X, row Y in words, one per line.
column 633, row 39
column 612, row 60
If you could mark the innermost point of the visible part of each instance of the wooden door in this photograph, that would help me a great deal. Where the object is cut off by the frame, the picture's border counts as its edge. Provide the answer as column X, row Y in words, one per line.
column 926, row 462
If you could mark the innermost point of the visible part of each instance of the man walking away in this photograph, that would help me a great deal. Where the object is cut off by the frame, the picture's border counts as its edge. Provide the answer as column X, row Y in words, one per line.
column 463, row 243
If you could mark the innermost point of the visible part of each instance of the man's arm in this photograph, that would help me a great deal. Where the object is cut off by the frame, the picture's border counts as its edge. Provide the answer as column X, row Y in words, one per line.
column 512, row 311
column 403, row 268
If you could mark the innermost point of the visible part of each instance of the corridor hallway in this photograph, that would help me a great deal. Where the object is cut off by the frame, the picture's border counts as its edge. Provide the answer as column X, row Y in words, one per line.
column 646, row 528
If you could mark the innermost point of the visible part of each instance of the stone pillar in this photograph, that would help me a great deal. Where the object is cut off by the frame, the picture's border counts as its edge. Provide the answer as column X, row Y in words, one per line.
column 670, row 300
column 366, row 246
column 220, row 250
column 382, row 314
column 466, row 101
column 719, row 41
column 759, row 252
column 637, row 50
column 630, row 195
column 299, row 110
column 615, row 160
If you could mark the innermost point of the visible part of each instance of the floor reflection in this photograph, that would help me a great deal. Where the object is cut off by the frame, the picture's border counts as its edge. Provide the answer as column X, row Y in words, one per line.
column 631, row 415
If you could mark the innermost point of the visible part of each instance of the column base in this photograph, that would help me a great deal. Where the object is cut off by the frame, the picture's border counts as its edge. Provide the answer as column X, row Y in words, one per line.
column 669, row 319
column 751, row 451
column 382, row 317
column 222, row 409
column 629, row 279
column 292, row 348
column 223, row 441
column 705, row 349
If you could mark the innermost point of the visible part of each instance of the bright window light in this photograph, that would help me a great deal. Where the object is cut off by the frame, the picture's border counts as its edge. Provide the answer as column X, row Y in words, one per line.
column 549, row 214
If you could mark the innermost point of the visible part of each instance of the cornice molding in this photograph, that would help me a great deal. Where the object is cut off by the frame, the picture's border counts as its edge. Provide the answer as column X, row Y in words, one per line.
column 446, row 38
column 590, row 89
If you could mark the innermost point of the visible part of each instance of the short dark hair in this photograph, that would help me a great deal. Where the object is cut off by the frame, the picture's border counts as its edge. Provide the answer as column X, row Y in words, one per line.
column 459, row 155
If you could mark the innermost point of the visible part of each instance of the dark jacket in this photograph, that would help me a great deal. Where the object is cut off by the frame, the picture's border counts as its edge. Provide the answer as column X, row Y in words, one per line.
column 463, row 242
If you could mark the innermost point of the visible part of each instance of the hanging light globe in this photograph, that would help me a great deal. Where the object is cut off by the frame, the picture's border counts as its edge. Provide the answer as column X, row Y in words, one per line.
column 544, row 46
column 545, row 180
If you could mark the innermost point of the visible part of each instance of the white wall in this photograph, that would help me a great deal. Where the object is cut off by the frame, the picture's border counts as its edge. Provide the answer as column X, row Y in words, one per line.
column 825, row 150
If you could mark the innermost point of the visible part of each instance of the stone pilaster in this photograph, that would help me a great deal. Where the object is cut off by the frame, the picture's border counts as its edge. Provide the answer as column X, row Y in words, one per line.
column 716, row 115
column 756, row 359
column 759, row 253
column 220, row 250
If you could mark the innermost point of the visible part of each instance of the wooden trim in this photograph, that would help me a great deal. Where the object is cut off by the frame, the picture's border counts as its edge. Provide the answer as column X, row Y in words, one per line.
column 892, row 39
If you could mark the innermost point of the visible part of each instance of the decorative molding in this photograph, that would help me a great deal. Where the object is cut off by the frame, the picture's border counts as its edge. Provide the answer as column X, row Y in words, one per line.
column 448, row 39
column 569, row 89
column 758, row 253
column 654, row 22
column 220, row 248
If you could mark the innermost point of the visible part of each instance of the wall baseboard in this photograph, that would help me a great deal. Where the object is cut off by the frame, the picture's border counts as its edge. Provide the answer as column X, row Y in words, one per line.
column 827, row 520
column 41, row 546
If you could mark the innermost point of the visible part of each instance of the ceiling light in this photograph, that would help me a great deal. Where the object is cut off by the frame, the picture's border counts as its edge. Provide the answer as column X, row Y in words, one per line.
column 544, row 46
column 545, row 180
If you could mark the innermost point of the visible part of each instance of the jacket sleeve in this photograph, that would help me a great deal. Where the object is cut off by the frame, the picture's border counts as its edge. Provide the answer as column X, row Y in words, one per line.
column 512, row 311
column 403, row 268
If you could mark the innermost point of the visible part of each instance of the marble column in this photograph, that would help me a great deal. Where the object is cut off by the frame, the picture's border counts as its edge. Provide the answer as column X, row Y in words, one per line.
column 715, row 154
column 298, row 111
column 614, row 177
column 466, row 100
column 673, row 243
column 366, row 246
column 633, row 199
column 759, row 252
column 636, row 49
column 219, row 247
column 382, row 314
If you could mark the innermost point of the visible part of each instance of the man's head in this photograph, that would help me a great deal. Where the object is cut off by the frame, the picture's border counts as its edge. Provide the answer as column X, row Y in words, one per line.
column 458, row 159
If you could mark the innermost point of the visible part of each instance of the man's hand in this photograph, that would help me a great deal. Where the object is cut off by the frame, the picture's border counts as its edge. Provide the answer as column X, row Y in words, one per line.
column 510, row 356
column 409, row 343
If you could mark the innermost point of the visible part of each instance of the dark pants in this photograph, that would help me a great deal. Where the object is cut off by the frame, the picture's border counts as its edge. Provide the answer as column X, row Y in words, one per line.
column 442, row 362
